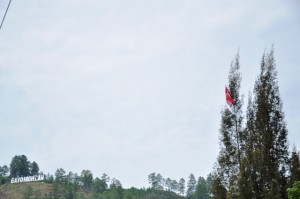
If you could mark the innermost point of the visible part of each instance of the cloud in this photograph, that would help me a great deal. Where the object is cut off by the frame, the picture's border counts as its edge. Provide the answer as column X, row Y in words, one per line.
column 87, row 85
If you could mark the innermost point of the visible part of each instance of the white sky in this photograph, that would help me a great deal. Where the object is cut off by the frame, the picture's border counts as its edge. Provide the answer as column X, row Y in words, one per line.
column 133, row 87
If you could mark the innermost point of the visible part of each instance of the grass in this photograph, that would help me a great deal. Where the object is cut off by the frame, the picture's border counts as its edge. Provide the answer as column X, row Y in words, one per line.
column 17, row 191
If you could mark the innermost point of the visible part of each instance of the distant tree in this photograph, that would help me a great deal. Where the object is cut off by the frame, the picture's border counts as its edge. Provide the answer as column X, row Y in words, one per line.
column 155, row 181
column 168, row 184
column 105, row 178
column 181, row 186
column 60, row 175
column 191, row 186
column 152, row 180
column 49, row 178
column 209, row 182
column 294, row 167
column 159, row 179
column 174, row 186
column 34, row 168
column 77, row 181
column 201, row 189
column 4, row 173
column 115, row 183
column 116, row 189
column 4, row 170
column 99, row 185
column 87, row 179
column 19, row 166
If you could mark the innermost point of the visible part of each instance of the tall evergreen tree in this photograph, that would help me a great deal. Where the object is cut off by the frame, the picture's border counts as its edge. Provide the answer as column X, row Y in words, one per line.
column 230, row 134
column 270, row 126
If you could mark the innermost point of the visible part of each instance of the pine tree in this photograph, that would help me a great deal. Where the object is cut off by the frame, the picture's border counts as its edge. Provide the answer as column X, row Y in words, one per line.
column 231, row 129
column 294, row 167
column 201, row 189
column 271, row 128
column 191, row 186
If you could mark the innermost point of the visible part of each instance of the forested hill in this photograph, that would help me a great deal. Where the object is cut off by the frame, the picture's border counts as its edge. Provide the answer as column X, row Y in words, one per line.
column 40, row 190
column 22, row 179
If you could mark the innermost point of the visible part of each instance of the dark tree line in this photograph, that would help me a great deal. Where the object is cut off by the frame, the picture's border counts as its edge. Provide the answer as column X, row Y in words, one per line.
column 254, row 160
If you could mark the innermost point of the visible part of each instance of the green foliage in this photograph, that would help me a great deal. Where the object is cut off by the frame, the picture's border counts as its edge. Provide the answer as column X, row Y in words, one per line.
column 156, row 181
column 19, row 166
column 218, row 190
column 191, row 186
column 294, row 192
column 231, row 142
column 4, row 174
column 181, row 186
column 294, row 167
column 99, row 185
column 34, row 168
column 201, row 189
column 253, row 161
column 87, row 179
column 4, row 170
column 271, row 131
column 28, row 192
column 60, row 175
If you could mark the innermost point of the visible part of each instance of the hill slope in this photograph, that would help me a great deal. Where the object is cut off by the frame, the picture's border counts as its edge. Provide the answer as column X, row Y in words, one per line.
column 20, row 190
column 33, row 190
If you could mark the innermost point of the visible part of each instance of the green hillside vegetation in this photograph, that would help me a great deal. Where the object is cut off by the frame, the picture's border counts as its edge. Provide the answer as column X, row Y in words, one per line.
column 40, row 190
column 15, row 183
column 21, row 190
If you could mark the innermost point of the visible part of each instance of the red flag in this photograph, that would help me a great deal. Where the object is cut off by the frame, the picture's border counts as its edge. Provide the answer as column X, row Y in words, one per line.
column 229, row 99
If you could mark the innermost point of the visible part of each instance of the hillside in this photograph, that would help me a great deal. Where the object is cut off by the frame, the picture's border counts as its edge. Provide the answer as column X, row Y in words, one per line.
column 34, row 190
column 20, row 190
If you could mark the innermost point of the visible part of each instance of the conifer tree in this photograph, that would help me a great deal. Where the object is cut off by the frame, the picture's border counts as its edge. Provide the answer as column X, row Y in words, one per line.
column 191, row 186
column 271, row 129
column 294, row 167
column 230, row 134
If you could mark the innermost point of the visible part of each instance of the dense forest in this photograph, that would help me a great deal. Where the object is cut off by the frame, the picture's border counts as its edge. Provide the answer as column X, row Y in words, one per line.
column 254, row 160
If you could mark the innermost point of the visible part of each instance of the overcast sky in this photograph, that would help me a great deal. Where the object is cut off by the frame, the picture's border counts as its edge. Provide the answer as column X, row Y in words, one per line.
column 133, row 87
